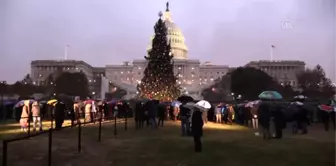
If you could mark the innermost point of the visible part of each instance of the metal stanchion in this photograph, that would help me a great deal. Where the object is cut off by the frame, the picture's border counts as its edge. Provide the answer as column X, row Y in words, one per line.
column 52, row 122
column 50, row 146
column 99, row 130
column 126, row 122
column 4, row 152
column 115, row 125
column 79, row 138
column 28, row 125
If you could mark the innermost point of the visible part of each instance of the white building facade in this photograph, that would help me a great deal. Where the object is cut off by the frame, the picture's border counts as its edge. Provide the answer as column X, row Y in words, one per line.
column 285, row 72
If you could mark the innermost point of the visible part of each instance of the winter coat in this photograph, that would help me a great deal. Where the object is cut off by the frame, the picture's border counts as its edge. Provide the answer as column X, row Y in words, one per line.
column 36, row 111
column 25, row 112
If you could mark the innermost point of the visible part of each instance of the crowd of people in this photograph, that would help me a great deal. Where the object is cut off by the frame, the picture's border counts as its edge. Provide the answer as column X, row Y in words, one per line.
column 259, row 115
column 263, row 114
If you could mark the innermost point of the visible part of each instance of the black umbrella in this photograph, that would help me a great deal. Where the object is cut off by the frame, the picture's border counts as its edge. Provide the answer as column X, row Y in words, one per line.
column 185, row 99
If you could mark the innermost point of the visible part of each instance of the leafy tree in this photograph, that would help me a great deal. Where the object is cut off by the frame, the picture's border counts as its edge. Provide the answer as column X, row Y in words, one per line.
column 220, row 91
column 27, row 79
column 159, row 81
column 249, row 82
column 73, row 84
column 115, row 92
column 315, row 84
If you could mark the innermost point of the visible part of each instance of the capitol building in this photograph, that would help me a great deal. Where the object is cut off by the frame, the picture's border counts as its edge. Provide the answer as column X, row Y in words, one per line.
column 193, row 76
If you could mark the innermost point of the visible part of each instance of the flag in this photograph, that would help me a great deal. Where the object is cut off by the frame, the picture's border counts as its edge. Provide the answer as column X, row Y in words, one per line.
column 273, row 46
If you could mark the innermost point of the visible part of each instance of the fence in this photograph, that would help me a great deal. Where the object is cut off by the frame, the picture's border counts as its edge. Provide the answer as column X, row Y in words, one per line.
column 50, row 136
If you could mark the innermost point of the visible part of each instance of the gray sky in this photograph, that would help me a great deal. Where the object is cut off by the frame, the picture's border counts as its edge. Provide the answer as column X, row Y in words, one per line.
column 100, row 32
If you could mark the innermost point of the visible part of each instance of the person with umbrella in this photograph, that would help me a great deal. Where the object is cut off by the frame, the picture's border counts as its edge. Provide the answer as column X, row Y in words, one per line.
column 59, row 112
column 279, row 120
column 197, row 128
column 25, row 116
column 301, row 116
column 36, row 116
column 264, row 111
column 185, row 114
column 326, row 114
column 333, row 113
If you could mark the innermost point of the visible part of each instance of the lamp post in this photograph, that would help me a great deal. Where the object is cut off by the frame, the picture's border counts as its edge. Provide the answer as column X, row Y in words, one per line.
column 2, row 89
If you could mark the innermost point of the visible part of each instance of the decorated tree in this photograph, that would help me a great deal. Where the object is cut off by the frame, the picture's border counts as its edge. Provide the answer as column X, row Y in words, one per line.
column 159, row 81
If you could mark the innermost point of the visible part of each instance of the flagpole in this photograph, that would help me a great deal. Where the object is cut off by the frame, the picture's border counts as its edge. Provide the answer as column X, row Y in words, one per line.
column 271, row 52
column 66, row 52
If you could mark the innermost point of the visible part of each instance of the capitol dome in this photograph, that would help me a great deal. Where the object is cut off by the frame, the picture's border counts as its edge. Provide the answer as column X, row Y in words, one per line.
column 175, row 37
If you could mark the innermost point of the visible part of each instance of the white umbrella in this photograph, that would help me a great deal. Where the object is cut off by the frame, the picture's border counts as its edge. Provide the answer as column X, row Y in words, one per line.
column 300, row 97
column 204, row 104
column 252, row 103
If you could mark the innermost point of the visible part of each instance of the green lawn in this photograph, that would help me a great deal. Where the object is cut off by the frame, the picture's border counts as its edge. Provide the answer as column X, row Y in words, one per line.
column 223, row 146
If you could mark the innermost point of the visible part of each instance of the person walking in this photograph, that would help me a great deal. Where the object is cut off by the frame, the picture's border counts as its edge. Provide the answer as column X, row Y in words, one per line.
column 197, row 128
column 36, row 116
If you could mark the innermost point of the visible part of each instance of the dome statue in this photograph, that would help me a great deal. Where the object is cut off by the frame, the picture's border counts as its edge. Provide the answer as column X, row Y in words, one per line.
column 175, row 37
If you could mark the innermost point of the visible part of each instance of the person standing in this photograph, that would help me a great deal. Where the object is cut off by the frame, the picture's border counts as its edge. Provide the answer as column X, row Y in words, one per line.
column 24, row 120
column 302, row 117
column 59, row 114
column 264, row 119
column 184, row 119
column 197, row 128
column 218, row 113
column 76, row 109
column 88, row 113
column 161, row 114
column 279, row 121
column 137, row 115
column 230, row 117
column 152, row 112
column 94, row 112
column 332, row 117
column 36, row 116
column 254, row 113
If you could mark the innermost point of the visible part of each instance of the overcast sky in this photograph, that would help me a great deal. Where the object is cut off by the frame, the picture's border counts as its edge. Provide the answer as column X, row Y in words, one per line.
column 228, row 32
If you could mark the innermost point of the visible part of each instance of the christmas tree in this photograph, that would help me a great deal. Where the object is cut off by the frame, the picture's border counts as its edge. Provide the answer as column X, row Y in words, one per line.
column 159, row 81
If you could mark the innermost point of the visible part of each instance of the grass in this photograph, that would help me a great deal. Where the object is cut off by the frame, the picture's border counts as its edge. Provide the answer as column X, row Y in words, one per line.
column 223, row 146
